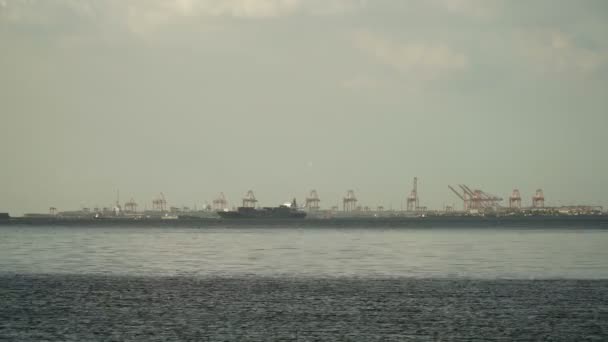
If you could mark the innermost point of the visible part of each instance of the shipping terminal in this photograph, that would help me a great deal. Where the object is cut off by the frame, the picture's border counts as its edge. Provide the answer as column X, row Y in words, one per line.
column 476, row 203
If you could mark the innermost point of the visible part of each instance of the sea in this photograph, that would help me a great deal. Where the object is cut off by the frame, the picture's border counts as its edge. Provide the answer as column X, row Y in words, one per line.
column 287, row 283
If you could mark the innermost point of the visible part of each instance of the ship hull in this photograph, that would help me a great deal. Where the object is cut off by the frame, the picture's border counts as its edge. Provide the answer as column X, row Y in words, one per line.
column 264, row 213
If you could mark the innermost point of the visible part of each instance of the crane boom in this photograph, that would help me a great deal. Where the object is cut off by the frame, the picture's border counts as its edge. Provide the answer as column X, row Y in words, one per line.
column 466, row 190
column 456, row 192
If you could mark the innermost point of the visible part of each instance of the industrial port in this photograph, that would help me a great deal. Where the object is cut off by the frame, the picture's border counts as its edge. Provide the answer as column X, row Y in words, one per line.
column 473, row 203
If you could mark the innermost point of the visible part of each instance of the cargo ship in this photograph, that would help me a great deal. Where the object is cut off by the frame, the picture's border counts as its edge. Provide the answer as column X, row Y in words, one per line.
column 285, row 211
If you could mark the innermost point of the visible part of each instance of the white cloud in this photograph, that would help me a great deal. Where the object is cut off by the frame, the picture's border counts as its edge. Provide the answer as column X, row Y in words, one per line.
column 422, row 59
column 555, row 51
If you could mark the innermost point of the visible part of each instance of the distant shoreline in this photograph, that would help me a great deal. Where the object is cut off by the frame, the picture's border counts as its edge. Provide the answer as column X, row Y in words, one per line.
column 591, row 221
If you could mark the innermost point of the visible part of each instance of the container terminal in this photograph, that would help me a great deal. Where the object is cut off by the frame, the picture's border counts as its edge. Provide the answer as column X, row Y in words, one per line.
column 475, row 203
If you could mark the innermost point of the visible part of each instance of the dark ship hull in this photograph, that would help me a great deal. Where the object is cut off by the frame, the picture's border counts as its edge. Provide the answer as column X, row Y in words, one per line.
column 281, row 212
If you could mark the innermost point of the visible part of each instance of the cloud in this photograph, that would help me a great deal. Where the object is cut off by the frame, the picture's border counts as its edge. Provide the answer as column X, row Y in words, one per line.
column 558, row 52
column 422, row 59
column 50, row 14
column 475, row 8
column 168, row 8
column 232, row 8
column 146, row 16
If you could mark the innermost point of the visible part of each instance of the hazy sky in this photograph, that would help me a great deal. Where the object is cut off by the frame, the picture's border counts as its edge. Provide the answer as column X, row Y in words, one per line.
column 195, row 97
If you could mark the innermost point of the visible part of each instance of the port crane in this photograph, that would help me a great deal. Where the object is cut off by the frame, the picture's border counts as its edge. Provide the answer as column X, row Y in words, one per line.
column 464, row 200
column 160, row 203
column 538, row 200
column 249, row 201
column 412, row 199
column 131, row 206
column 220, row 202
column 476, row 199
column 515, row 200
column 349, row 202
column 312, row 201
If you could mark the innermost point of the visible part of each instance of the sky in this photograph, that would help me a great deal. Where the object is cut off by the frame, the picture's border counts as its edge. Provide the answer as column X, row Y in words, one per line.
column 196, row 97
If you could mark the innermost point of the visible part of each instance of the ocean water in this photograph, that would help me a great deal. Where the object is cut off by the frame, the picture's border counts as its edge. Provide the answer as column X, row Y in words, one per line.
column 302, row 284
